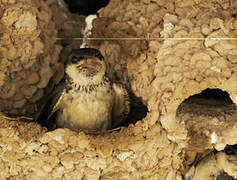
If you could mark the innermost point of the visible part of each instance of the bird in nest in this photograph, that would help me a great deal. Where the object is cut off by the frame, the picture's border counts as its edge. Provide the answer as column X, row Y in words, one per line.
column 85, row 99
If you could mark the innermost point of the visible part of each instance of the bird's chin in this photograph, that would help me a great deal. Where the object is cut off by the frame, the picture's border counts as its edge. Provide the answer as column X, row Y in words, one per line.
column 89, row 72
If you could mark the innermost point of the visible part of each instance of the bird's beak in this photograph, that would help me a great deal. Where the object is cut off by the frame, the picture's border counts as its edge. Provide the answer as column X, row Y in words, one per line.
column 89, row 64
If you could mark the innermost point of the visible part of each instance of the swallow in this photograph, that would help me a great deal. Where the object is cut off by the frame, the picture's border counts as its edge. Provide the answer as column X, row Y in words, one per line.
column 86, row 99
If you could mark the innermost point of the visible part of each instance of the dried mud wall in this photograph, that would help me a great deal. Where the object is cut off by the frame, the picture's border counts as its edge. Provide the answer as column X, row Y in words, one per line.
column 162, row 72
column 28, row 56
column 186, row 60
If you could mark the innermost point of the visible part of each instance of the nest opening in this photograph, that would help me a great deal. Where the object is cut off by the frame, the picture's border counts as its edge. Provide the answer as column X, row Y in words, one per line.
column 210, row 111
column 231, row 149
column 208, row 105
column 86, row 7
column 207, row 102
column 215, row 95
column 138, row 111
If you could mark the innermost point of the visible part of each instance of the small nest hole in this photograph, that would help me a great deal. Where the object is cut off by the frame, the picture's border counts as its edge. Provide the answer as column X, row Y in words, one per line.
column 138, row 111
column 209, row 103
column 86, row 7
column 210, row 111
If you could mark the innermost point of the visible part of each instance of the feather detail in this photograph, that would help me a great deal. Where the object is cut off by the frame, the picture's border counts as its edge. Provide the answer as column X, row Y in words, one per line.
column 121, row 106
column 47, row 114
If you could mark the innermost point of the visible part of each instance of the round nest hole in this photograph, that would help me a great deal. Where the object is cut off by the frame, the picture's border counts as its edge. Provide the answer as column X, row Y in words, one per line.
column 86, row 7
column 210, row 111
column 138, row 111
column 210, row 103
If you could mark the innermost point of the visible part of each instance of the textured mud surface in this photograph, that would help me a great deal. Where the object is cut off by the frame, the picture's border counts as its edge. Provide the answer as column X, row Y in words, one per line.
column 68, row 25
column 163, row 74
column 219, row 166
column 28, row 54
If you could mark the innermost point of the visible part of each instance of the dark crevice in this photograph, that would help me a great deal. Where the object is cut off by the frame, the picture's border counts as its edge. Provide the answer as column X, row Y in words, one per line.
column 138, row 111
column 208, row 98
column 85, row 7
column 217, row 94
column 224, row 176
column 231, row 149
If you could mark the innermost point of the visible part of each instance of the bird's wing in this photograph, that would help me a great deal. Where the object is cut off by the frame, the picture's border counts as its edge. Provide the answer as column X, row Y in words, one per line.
column 121, row 105
column 47, row 115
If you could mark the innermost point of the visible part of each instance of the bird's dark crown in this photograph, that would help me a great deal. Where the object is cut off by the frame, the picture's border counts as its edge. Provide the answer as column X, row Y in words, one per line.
column 86, row 66
column 85, row 53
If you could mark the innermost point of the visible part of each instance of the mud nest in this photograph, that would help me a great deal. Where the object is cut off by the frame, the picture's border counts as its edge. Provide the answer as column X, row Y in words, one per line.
column 164, row 75
column 28, row 56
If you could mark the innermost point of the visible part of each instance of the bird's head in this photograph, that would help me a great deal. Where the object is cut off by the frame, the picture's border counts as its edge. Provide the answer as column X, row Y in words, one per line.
column 86, row 66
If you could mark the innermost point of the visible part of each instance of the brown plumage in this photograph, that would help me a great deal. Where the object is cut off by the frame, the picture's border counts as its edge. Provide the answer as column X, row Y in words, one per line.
column 87, row 100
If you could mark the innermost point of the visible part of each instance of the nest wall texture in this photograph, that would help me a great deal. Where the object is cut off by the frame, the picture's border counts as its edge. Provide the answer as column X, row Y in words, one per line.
column 29, row 55
column 163, row 73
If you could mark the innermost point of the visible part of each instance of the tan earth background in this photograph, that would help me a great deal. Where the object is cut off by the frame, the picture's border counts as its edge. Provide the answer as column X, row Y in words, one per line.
column 181, row 76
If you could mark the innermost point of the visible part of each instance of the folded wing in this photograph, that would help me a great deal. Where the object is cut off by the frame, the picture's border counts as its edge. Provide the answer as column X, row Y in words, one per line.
column 121, row 105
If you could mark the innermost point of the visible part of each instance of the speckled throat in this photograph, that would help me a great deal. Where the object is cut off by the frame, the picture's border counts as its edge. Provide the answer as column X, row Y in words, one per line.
column 70, row 85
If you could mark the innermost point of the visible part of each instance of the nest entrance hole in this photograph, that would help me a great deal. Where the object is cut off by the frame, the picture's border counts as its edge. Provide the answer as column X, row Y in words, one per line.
column 210, row 111
column 210, row 102
column 138, row 111
column 86, row 7
column 211, row 96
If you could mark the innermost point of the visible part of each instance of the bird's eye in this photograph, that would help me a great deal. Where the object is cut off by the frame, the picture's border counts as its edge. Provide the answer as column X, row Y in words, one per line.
column 75, row 59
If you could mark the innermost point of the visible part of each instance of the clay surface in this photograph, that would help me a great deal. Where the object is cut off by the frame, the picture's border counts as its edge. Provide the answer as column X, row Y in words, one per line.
column 69, row 26
column 218, row 166
column 28, row 54
column 164, row 73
